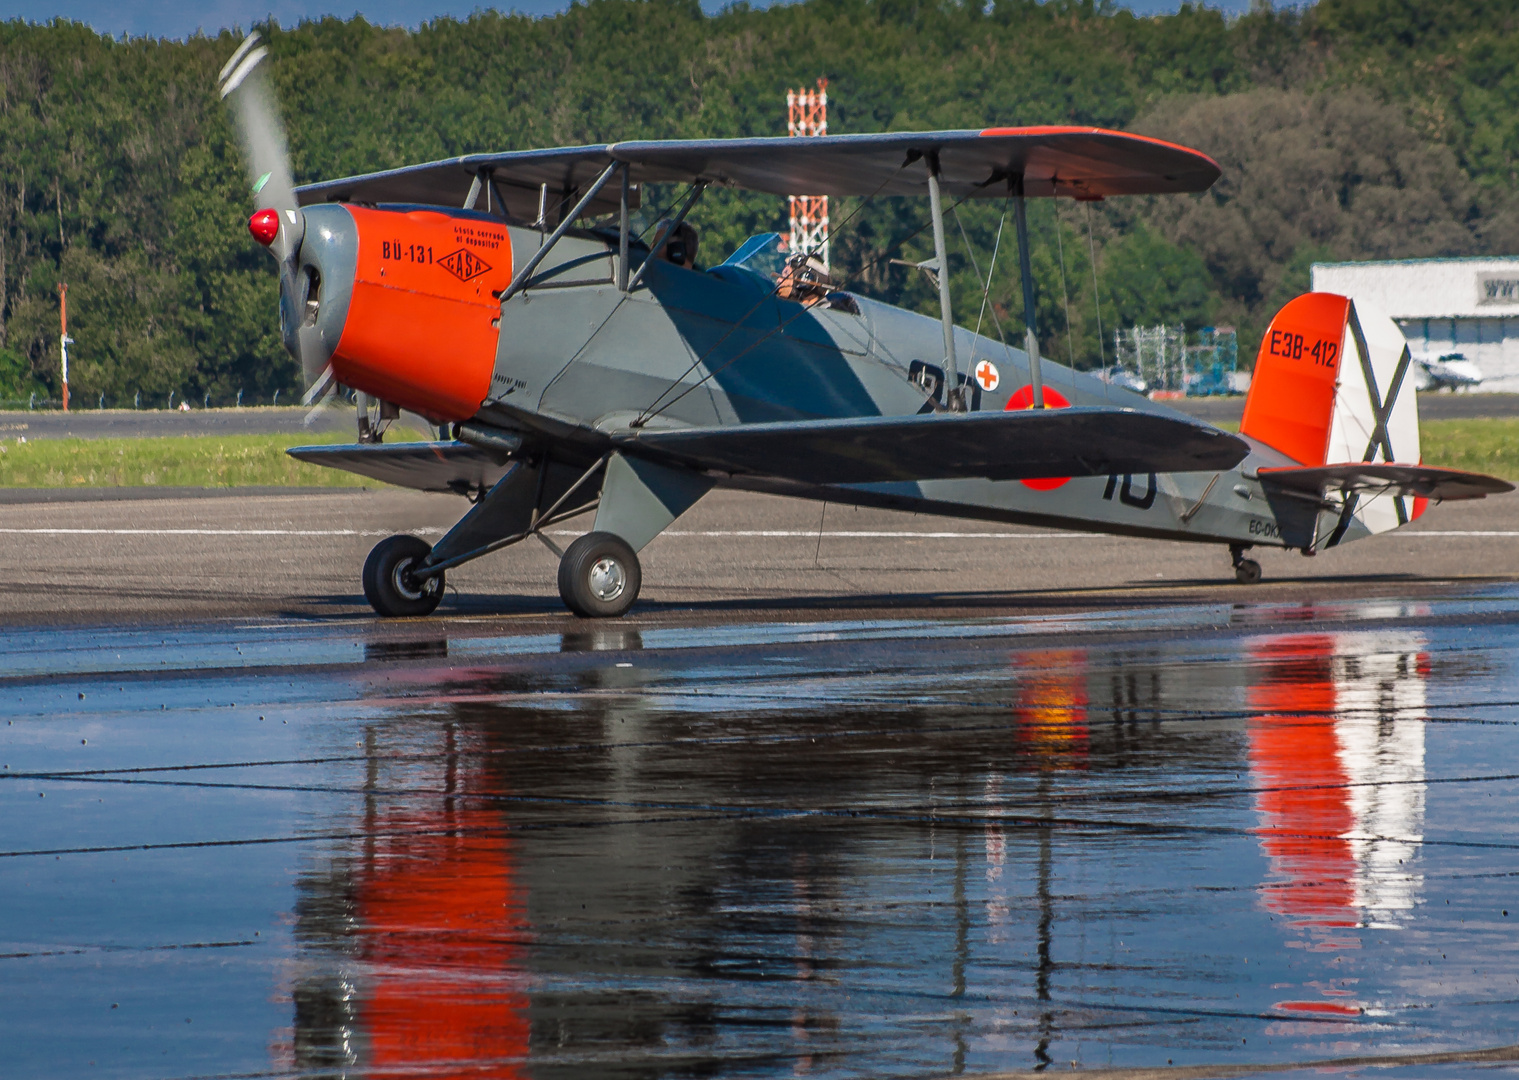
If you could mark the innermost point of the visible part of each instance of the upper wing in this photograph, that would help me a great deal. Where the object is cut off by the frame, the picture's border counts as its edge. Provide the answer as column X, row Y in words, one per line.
column 519, row 177
column 1376, row 477
column 1079, row 162
column 999, row 446
column 430, row 466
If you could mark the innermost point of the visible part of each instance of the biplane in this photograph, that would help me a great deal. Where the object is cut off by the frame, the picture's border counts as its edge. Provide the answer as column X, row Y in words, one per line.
column 578, row 367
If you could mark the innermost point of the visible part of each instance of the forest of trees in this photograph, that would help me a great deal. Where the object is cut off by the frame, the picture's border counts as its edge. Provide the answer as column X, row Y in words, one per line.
column 1352, row 129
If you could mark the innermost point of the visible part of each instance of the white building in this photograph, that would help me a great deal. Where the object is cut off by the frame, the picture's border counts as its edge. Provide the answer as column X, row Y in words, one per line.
column 1444, row 306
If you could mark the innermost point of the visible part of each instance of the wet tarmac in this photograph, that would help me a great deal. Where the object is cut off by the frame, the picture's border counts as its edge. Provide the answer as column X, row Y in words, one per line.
column 1183, row 838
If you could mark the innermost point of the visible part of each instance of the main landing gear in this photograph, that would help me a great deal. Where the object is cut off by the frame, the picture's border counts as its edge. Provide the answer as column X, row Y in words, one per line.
column 599, row 575
column 1246, row 571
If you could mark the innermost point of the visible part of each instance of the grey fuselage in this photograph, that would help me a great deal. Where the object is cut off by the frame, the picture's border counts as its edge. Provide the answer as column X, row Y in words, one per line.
column 717, row 347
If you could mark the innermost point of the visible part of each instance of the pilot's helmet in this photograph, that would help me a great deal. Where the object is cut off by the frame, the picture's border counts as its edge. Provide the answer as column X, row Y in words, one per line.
column 805, row 279
column 680, row 246
column 813, row 272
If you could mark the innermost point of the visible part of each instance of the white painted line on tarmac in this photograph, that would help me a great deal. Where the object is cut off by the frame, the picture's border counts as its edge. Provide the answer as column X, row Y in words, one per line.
column 1463, row 532
column 852, row 534
column 211, row 532
column 862, row 534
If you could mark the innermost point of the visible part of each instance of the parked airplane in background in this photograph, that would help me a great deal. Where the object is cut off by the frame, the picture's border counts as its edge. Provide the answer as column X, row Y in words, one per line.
column 1451, row 372
column 580, row 368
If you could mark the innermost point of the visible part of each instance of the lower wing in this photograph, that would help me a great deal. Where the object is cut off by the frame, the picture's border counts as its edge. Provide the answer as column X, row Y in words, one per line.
column 435, row 466
column 998, row 446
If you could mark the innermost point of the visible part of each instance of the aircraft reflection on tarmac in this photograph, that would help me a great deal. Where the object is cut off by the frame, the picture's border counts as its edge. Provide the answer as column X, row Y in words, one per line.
column 432, row 921
column 466, row 934
column 1338, row 759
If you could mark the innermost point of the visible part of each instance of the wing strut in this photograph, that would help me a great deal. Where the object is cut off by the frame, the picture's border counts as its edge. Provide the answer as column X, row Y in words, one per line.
column 565, row 222
column 954, row 393
column 668, row 231
column 622, row 232
column 1025, row 271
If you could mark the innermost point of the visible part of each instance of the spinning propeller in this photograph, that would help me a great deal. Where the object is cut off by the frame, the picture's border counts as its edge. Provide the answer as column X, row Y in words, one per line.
column 277, row 221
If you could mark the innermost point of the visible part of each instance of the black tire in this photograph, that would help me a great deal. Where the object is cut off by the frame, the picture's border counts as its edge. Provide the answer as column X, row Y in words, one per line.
column 599, row 576
column 388, row 584
column 1247, row 572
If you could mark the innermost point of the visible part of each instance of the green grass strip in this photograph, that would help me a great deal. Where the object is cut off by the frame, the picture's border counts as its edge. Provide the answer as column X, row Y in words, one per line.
column 1485, row 446
column 1490, row 446
column 173, row 461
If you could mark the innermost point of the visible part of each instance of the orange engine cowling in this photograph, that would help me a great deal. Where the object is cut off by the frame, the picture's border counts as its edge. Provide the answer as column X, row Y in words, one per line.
column 421, row 321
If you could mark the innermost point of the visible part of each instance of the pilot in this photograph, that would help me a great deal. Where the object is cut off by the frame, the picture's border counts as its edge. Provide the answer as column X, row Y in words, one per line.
column 680, row 246
column 804, row 280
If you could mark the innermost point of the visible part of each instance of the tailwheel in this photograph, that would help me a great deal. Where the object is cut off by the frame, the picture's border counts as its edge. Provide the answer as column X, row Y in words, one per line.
column 599, row 576
column 1246, row 571
column 390, row 582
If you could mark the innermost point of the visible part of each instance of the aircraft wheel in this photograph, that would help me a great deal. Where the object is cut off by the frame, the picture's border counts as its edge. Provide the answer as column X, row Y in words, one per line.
column 1247, row 572
column 389, row 585
column 599, row 576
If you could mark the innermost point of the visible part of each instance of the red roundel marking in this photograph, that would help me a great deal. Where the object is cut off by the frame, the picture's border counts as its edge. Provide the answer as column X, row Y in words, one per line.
column 1053, row 399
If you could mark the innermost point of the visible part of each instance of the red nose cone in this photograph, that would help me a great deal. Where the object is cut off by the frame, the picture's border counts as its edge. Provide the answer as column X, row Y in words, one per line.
column 265, row 226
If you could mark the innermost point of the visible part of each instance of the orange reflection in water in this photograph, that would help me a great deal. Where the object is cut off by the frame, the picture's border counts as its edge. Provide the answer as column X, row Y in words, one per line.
column 440, row 929
column 1051, row 707
column 1337, row 760
column 1294, row 758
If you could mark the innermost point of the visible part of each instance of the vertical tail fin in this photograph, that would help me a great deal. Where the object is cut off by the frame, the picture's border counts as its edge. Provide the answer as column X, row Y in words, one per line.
column 1297, row 371
column 1331, row 385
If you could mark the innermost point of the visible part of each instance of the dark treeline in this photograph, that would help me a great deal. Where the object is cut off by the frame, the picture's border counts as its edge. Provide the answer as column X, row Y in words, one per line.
column 1356, row 129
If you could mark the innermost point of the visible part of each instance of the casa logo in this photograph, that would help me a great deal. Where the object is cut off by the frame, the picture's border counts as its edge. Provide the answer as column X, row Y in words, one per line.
column 464, row 264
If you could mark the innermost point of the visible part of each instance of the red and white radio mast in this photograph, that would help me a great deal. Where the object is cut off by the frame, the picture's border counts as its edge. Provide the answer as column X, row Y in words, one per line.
column 808, row 111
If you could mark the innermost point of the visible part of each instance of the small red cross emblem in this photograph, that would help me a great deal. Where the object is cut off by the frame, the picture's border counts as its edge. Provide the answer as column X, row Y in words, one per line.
column 986, row 375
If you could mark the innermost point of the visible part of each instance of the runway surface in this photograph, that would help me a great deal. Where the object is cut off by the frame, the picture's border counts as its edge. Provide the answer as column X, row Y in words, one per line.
column 915, row 798
column 733, row 556
column 140, row 423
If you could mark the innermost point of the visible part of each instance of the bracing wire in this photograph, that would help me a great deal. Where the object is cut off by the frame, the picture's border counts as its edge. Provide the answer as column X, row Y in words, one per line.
column 990, row 270
column 1065, row 296
column 657, row 218
column 622, row 299
column 654, row 408
column 1102, row 352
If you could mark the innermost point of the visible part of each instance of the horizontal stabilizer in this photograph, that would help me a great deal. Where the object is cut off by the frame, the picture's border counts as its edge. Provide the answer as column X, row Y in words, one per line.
column 1001, row 446
column 427, row 466
column 1380, row 478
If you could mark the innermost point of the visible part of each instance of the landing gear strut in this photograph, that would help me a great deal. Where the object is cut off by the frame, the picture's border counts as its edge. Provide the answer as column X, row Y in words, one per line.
column 1246, row 571
column 599, row 576
column 390, row 582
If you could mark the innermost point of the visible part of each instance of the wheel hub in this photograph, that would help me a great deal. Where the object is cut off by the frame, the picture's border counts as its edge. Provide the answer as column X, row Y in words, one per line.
column 607, row 579
column 406, row 583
